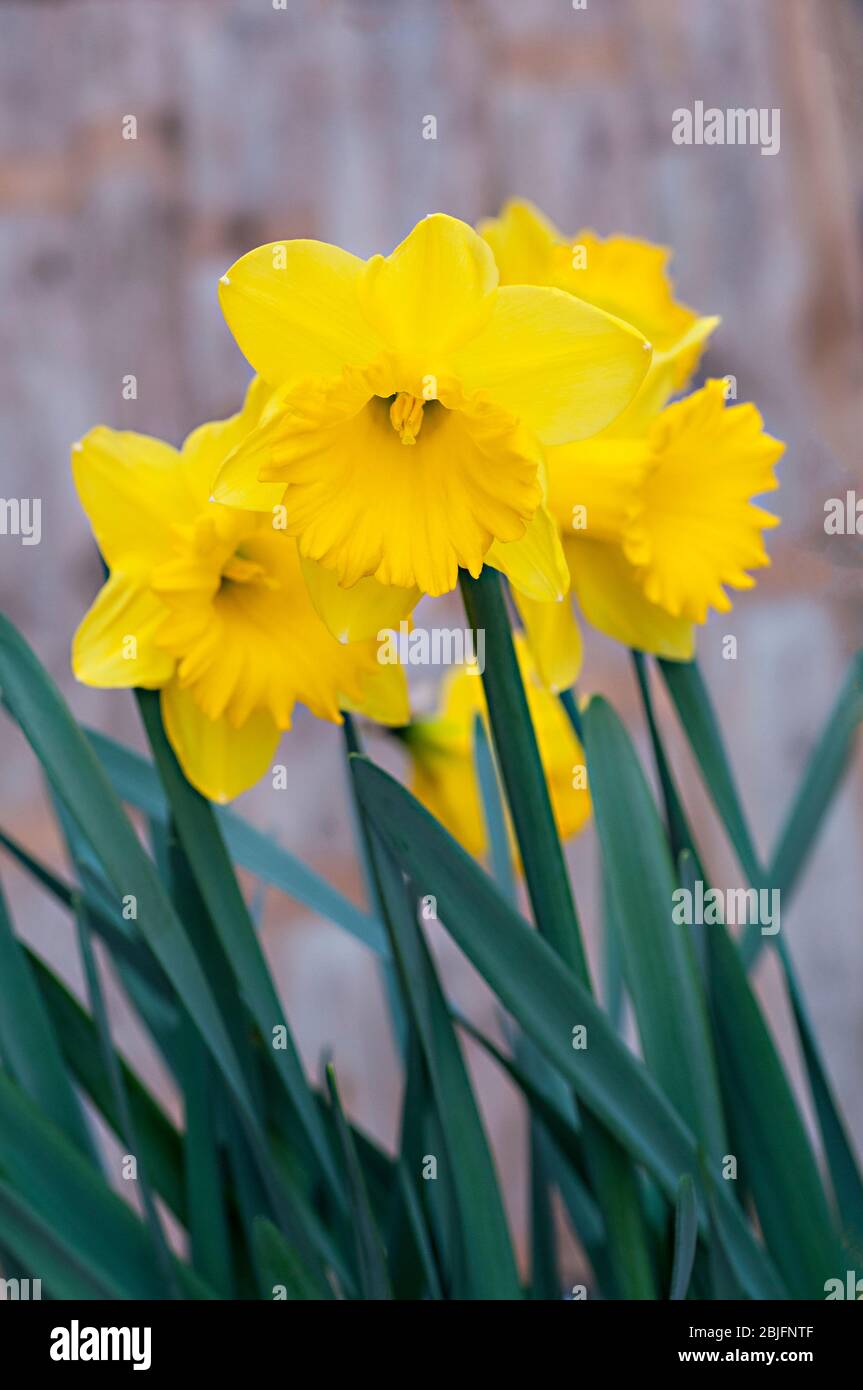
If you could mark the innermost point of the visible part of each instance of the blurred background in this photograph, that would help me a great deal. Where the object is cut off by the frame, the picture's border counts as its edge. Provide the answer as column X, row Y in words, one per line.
column 256, row 123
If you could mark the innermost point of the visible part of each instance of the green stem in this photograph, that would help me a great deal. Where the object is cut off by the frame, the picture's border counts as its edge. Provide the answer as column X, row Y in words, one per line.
column 387, row 968
column 678, row 831
column 612, row 1175
column 518, row 758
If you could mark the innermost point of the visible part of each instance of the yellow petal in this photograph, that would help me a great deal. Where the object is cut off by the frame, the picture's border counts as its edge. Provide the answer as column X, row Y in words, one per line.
column 385, row 697
column 433, row 291
column 523, row 241
column 443, row 770
column 554, row 639
column 359, row 613
column 115, row 644
column 536, row 564
column 595, row 486
column 259, row 644
column 563, row 367
column 562, row 758
column 132, row 488
column 442, row 755
column 561, row 753
column 626, row 277
column 218, row 759
column 447, row 785
column 237, row 482
column 698, row 529
column 670, row 372
column 206, row 448
column 611, row 597
column 293, row 308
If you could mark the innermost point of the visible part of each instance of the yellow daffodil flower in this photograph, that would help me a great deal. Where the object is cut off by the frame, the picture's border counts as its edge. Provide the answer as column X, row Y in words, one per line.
column 412, row 396
column 655, row 528
column 655, row 510
column 208, row 604
column 622, row 275
column 441, row 749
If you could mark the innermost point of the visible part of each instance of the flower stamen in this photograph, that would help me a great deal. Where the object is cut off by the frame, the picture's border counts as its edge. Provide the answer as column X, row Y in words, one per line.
column 406, row 416
column 239, row 570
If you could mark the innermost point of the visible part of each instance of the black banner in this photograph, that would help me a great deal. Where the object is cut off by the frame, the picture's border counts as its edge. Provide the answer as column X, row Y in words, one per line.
column 154, row 1338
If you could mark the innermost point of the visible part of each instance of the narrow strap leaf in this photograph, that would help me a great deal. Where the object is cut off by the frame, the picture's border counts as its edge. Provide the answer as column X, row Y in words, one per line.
column 685, row 1237
column 371, row 1255
column 29, row 1041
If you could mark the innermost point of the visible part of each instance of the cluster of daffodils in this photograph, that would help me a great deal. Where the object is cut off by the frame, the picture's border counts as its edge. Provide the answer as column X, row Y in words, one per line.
column 494, row 397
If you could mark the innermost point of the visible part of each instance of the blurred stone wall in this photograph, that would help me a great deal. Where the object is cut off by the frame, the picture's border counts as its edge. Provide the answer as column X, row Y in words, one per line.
column 255, row 123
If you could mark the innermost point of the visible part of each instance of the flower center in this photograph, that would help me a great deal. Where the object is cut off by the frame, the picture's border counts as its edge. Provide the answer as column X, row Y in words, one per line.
column 406, row 416
column 240, row 570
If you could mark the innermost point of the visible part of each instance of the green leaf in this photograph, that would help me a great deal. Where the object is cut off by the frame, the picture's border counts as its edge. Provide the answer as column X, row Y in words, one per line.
column 659, row 964
column 209, row 1235
column 614, row 990
column 489, row 1269
column 69, row 1198
column 584, row 1215
column 679, row 834
column 414, row 1216
column 544, row 1278
column 493, row 810
column 828, row 764
column 517, row 756
column 217, row 884
column 543, row 1240
column 81, row 857
column 44, row 876
column 158, row 1140
column 689, row 693
column 551, row 1105
column 77, row 779
column 135, row 781
column 387, row 970
column 548, row 1001
column 371, row 1255
column 29, row 1042
column 774, row 1150
column 281, row 1266
column 841, row 1160
column 298, row 1221
column 819, row 783
column 38, row 1246
column 412, row 1258
column 685, row 1237
column 122, row 1109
